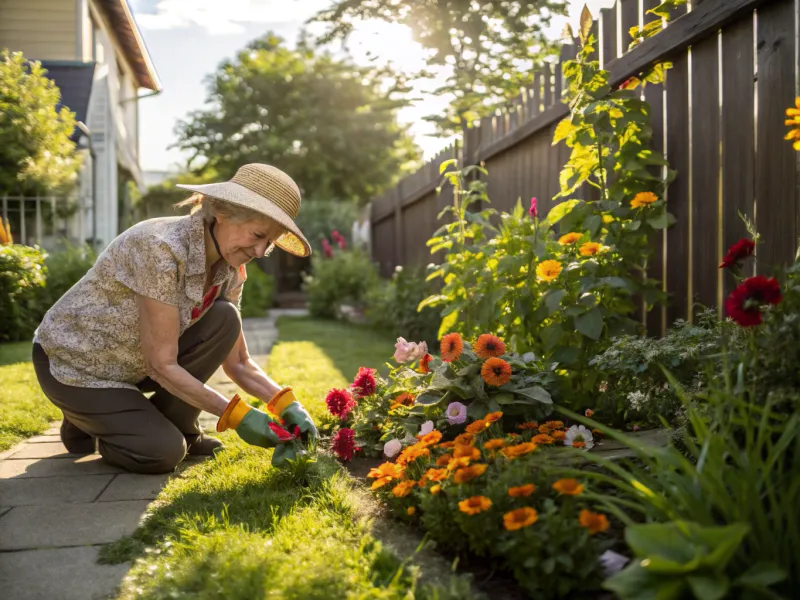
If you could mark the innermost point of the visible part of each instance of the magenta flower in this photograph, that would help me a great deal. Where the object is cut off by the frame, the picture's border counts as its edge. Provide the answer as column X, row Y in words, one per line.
column 533, row 211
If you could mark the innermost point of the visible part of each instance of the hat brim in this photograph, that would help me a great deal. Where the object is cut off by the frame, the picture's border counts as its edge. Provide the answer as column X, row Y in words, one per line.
column 293, row 241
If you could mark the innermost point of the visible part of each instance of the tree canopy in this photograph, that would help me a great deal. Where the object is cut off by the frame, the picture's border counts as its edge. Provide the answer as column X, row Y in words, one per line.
column 489, row 49
column 36, row 153
column 330, row 124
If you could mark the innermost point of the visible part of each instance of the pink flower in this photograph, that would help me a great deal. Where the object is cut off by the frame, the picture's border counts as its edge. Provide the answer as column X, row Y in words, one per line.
column 636, row 428
column 533, row 211
column 344, row 444
column 364, row 383
column 340, row 403
column 409, row 351
column 456, row 413
column 426, row 428
column 342, row 243
column 392, row 448
column 326, row 248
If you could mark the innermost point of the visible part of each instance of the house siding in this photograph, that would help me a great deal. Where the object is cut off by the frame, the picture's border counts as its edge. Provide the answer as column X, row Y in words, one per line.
column 40, row 29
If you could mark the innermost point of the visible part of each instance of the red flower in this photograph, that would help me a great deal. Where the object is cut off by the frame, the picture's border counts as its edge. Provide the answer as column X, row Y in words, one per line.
column 744, row 303
column 364, row 383
column 344, row 444
column 340, row 403
column 739, row 251
column 424, row 364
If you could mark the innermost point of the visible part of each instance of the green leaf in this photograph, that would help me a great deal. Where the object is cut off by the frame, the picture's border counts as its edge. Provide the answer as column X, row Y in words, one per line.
column 763, row 574
column 661, row 220
column 553, row 298
column 537, row 393
column 635, row 583
column 428, row 399
column 566, row 354
column 447, row 323
column 445, row 164
column 592, row 224
column 432, row 301
column 660, row 539
column 585, row 24
column 551, row 335
column 504, row 398
column 590, row 324
column 559, row 211
column 710, row 586
column 563, row 129
column 616, row 282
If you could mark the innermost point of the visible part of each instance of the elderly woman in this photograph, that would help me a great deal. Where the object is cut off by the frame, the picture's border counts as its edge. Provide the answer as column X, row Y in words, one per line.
column 159, row 312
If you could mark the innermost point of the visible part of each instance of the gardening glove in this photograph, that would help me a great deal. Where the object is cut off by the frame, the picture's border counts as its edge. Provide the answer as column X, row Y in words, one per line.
column 257, row 428
column 286, row 407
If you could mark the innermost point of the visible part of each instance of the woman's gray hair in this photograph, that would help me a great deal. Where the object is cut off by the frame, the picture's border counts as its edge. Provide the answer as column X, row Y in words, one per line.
column 211, row 208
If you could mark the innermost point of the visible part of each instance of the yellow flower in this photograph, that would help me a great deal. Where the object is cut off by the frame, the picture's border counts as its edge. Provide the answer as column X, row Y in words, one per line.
column 467, row 474
column 436, row 474
column 519, row 518
column 590, row 248
column 465, row 439
column 519, row 450
column 608, row 219
column 475, row 505
column 569, row 238
column 558, row 436
column 555, row 424
column 457, row 463
column 494, row 444
column 444, row 460
column 543, row 439
column 429, row 439
column 643, row 199
column 493, row 416
column 521, row 490
column 403, row 488
column 477, row 426
column 548, row 270
column 411, row 510
column 794, row 123
column 568, row 487
column 594, row 522
column 435, row 489
column 471, row 452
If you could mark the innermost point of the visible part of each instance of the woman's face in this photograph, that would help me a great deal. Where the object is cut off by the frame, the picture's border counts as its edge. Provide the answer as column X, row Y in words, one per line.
column 241, row 242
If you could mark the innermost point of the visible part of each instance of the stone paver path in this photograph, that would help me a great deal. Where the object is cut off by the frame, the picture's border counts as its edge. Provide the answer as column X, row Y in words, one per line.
column 57, row 509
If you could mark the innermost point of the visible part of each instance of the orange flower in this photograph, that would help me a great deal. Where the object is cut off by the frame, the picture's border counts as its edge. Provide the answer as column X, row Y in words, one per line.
column 793, row 122
column 513, row 436
column 411, row 510
column 424, row 364
column 451, row 346
column 446, row 445
column 521, row 491
column 494, row 444
column 423, row 481
column 496, row 372
column 569, row 238
column 387, row 469
column 555, row 424
column 444, row 460
column 578, row 444
column 528, row 425
column 404, row 399
column 470, row 452
column 477, row 426
column 494, row 416
column 589, row 412
column 411, row 454
column 597, row 433
column 435, row 489
column 488, row 346
column 475, row 505
column 558, row 436
column 436, row 474
column 568, row 487
column 429, row 439
column 464, row 439
column 519, row 518
column 543, row 439
column 403, row 488
column 594, row 522
column 457, row 463
column 643, row 199
column 519, row 449
column 590, row 249
column 544, row 428
column 466, row 474
column 379, row 483
column 547, row 270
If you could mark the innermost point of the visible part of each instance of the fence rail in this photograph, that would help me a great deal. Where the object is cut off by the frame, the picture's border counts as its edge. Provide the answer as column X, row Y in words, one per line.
column 46, row 220
column 719, row 119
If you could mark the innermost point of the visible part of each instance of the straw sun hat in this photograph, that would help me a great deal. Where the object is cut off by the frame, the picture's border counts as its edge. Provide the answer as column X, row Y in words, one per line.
column 266, row 190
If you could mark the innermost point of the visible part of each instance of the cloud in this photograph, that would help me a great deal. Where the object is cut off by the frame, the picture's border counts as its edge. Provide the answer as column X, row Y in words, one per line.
column 221, row 17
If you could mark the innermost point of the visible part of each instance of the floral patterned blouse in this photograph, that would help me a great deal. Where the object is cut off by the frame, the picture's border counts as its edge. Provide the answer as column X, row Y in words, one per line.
column 91, row 335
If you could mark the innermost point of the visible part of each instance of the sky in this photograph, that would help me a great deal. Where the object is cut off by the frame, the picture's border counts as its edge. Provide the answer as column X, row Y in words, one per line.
column 187, row 39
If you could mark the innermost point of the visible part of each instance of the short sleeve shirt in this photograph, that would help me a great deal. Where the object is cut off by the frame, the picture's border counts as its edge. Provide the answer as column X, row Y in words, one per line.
column 91, row 335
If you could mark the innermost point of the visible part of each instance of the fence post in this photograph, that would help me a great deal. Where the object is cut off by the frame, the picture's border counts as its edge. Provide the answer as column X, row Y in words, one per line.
column 5, row 210
column 53, row 217
column 38, row 221
column 398, row 224
column 22, row 233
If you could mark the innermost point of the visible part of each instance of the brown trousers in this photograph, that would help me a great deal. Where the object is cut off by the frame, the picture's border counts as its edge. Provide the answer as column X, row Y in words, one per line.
column 136, row 433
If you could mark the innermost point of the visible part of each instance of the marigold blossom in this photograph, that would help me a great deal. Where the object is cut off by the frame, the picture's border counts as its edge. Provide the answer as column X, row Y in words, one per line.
column 464, row 439
column 558, row 436
column 437, row 474
column 568, row 487
column 520, row 518
column 594, row 522
column 475, row 505
column 494, row 444
column 519, row 450
column 435, row 489
column 569, row 238
column 477, row 426
column 466, row 474
column 528, row 425
column 488, row 346
column 403, row 399
column 555, row 424
column 493, row 417
column 548, row 270
column 411, row 510
column 429, row 439
column 543, row 439
column 403, row 488
column 521, row 491
column 793, row 122
column 643, row 199
column 424, row 364
column 451, row 347
column 496, row 372
column 470, row 452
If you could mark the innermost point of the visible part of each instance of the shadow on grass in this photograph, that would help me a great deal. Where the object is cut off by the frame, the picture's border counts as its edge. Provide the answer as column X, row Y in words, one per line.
column 14, row 352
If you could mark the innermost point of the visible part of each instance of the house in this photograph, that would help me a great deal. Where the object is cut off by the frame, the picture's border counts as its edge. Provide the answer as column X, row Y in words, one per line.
column 94, row 52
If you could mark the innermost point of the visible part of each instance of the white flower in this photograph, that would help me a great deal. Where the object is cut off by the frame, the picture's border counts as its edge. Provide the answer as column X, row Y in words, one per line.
column 529, row 357
column 579, row 433
column 637, row 400
column 392, row 448
column 612, row 562
column 426, row 428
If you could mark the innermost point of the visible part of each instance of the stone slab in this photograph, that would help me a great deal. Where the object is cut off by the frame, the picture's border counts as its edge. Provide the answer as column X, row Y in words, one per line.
column 63, row 573
column 28, row 527
column 52, row 490
column 44, row 450
column 133, row 486
column 40, row 439
column 4, row 510
column 32, row 467
column 53, row 431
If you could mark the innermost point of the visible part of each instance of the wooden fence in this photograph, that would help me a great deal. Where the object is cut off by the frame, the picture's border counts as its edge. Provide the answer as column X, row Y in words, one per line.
column 719, row 119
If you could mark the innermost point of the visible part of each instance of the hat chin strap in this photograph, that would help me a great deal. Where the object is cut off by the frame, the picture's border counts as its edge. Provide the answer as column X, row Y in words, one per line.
column 214, row 238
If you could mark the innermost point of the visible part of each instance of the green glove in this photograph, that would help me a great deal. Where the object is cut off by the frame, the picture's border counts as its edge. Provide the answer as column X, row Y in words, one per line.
column 255, row 427
column 285, row 405
column 286, row 452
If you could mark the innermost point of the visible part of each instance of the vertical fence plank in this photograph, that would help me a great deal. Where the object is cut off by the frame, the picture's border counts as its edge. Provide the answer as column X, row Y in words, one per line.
column 537, row 93
column 608, row 35
column 654, row 95
column 705, row 196
column 738, row 134
column 628, row 17
column 677, row 144
column 547, row 75
column 398, row 224
column 776, row 161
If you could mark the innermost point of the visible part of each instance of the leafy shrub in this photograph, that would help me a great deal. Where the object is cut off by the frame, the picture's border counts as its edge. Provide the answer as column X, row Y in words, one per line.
column 64, row 269
column 392, row 306
column 258, row 292
column 22, row 279
column 319, row 217
column 345, row 278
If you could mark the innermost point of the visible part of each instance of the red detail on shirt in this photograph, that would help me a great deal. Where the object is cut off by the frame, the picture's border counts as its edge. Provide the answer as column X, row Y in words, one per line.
column 208, row 300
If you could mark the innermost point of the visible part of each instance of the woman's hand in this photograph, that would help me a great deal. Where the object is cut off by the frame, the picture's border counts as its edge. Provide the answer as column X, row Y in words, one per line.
column 285, row 405
column 257, row 428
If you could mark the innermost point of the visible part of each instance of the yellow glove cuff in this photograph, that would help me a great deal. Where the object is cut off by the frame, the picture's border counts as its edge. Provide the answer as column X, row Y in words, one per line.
column 233, row 415
column 280, row 401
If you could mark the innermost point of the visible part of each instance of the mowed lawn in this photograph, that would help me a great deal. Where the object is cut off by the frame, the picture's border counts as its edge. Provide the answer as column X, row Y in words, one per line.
column 236, row 528
column 24, row 410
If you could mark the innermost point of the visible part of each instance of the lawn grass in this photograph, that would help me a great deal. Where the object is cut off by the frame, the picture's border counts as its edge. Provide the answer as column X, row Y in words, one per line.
column 24, row 409
column 234, row 527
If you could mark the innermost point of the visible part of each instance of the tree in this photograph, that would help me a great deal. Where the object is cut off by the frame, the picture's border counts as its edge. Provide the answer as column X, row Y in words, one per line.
column 327, row 122
column 36, row 153
column 488, row 49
